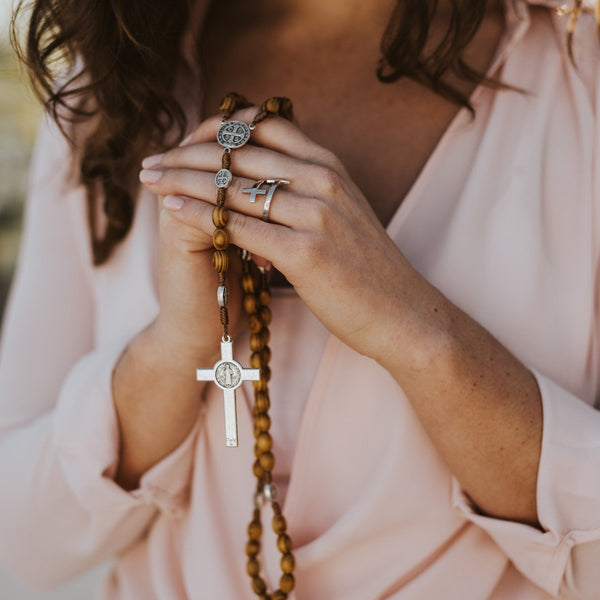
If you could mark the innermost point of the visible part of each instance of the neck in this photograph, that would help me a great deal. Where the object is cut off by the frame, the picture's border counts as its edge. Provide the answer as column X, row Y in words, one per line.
column 335, row 15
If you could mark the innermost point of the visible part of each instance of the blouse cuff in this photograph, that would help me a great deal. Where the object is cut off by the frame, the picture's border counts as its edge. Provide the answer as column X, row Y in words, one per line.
column 86, row 433
column 568, row 492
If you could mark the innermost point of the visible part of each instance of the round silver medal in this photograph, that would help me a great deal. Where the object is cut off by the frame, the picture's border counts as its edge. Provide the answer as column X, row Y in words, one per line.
column 228, row 375
column 223, row 178
column 233, row 134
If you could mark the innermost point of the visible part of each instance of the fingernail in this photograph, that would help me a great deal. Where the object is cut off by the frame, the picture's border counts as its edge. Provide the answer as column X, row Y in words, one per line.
column 173, row 202
column 152, row 161
column 150, row 175
column 186, row 140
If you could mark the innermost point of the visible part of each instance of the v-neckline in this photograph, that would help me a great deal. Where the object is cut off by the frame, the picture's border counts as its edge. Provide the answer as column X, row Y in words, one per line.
column 515, row 27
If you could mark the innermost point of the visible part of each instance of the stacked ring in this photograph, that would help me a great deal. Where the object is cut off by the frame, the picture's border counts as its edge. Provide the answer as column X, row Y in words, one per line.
column 256, row 190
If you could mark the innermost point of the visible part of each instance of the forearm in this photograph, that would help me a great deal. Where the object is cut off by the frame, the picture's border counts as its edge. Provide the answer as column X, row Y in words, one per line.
column 156, row 395
column 479, row 404
column 157, row 400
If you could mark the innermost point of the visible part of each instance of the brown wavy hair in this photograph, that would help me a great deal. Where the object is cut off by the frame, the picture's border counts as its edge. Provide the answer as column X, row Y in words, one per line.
column 114, row 65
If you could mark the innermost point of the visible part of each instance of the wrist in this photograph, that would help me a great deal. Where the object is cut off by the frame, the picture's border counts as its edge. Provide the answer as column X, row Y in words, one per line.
column 164, row 342
column 421, row 334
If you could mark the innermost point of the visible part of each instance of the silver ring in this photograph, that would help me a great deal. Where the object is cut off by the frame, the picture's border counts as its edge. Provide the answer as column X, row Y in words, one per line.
column 274, row 183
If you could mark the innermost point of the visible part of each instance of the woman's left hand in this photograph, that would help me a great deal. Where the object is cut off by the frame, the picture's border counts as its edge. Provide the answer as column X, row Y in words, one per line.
column 322, row 233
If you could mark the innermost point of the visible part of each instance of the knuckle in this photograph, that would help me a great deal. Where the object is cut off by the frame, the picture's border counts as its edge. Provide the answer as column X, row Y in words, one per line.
column 329, row 180
column 320, row 214
column 330, row 159
column 236, row 225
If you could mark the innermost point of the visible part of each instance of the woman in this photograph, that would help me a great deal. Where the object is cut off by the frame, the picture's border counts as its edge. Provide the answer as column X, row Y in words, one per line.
column 434, row 367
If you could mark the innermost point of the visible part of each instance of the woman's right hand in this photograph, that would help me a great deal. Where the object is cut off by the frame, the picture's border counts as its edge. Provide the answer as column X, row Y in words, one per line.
column 189, row 321
column 156, row 395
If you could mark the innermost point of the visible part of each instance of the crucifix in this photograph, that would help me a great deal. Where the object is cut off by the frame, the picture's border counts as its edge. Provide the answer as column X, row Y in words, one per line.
column 228, row 374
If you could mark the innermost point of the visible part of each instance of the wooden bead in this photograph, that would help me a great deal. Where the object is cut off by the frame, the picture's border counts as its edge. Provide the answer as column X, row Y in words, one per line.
column 258, row 471
column 266, row 335
column 232, row 102
column 265, row 373
column 253, row 547
column 252, row 567
column 261, row 385
column 221, row 261
column 228, row 104
column 258, row 585
column 265, row 355
column 263, row 403
column 248, row 284
column 262, row 422
column 284, row 543
column 257, row 342
column 264, row 441
column 265, row 297
column 287, row 109
column 220, row 216
column 267, row 461
column 286, row 583
column 254, row 323
column 256, row 360
column 272, row 105
column 288, row 563
column 265, row 314
column 279, row 524
column 220, row 239
column 255, row 530
column 251, row 303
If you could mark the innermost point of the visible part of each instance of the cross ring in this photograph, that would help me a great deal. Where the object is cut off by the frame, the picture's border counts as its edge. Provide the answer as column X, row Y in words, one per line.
column 257, row 190
column 274, row 184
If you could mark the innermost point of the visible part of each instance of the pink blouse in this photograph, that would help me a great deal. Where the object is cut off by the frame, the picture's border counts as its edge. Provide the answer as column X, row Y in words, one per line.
column 504, row 219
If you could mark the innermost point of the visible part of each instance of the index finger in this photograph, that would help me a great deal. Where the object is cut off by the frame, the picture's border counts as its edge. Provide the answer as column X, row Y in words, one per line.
column 275, row 133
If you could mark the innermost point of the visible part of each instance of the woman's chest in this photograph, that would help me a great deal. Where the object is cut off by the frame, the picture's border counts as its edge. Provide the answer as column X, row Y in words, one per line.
column 383, row 134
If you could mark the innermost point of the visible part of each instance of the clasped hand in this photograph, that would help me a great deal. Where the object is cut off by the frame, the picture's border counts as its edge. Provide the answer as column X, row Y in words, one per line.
column 322, row 235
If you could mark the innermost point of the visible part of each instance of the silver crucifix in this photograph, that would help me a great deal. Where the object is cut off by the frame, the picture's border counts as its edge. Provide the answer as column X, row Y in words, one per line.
column 228, row 374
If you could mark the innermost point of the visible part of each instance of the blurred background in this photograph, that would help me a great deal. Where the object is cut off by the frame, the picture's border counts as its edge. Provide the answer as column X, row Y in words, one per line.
column 19, row 116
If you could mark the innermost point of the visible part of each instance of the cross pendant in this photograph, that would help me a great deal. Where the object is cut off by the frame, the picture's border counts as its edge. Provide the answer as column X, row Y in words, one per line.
column 228, row 374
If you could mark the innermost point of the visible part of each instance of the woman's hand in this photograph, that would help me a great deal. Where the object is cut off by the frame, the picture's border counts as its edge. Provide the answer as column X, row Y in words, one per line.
column 322, row 235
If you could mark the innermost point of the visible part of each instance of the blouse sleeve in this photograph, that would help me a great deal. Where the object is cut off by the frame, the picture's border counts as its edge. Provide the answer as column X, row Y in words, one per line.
column 562, row 559
column 60, row 510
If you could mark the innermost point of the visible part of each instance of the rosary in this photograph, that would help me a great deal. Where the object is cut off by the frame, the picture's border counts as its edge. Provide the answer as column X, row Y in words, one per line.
column 227, row 373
